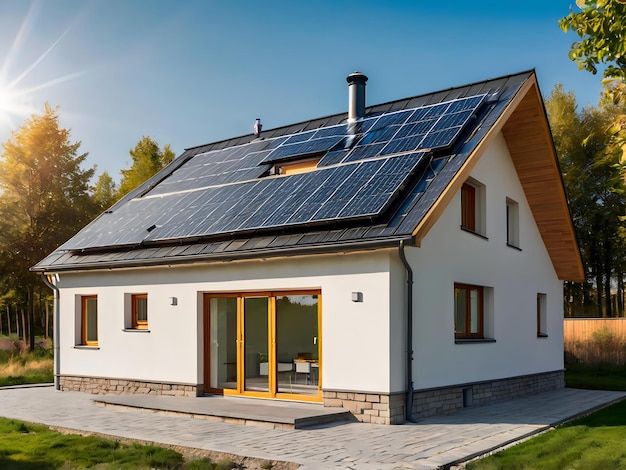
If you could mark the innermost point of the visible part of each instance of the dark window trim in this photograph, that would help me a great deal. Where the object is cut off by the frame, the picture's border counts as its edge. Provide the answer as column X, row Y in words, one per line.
column 473, row 340
column 513, row 246
column 479, row 235
column 468, row 207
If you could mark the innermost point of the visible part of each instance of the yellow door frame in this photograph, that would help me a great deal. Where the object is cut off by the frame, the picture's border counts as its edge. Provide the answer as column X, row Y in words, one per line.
column 271, row 312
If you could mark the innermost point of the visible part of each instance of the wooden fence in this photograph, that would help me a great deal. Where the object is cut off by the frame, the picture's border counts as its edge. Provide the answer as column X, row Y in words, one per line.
column 595, row 340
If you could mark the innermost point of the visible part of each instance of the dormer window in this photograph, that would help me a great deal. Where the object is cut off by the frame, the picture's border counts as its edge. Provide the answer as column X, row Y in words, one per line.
column 295, row 167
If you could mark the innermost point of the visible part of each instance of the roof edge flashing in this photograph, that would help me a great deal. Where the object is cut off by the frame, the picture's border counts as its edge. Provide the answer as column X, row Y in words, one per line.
column 277, row 252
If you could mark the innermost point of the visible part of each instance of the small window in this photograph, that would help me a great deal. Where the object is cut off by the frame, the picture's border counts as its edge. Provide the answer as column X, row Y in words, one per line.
column 140, row 311
column 542, row 331
column 473, row 207
column 468, row 311
column 295, row 167
column 468, row 207
column 89, row 320
column 512, row 223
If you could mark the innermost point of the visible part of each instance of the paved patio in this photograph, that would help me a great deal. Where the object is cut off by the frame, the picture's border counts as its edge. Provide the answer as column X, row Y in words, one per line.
column 438, row 442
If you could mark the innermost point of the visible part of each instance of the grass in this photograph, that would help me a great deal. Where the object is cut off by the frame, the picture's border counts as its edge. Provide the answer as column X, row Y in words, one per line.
column 600, row 377
column 26, row 367
column 593, row 442
column 26, row 446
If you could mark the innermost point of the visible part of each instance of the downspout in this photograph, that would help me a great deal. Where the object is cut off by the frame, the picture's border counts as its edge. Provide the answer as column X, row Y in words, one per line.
column 409, row 334
column 55, row 333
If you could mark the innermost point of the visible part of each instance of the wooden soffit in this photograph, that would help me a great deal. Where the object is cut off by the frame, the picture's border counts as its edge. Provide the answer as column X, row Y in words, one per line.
column 528, row 137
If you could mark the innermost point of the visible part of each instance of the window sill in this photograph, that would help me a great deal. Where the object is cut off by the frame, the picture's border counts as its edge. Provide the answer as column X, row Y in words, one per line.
column 135, row 330
column 514, row 247
column 474, row 233
column 84, row 346
column 542, row 335
column 473, row 340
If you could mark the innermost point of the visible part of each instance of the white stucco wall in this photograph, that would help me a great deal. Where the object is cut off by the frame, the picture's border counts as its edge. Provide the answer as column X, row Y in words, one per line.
column 355, row 335
column 449, row 254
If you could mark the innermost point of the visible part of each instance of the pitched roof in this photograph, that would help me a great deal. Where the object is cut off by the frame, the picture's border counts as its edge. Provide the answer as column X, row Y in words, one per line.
column 380, row 180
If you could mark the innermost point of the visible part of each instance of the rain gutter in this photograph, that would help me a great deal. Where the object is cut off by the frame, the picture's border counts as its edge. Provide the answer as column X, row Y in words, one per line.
column 56, row 330
column 409, row 334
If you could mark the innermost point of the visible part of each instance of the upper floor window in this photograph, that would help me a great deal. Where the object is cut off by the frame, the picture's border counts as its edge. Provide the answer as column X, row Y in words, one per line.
column 542, row 316
column 473, row 216
column 139, row 311
column 89, row 320
column 512, row 223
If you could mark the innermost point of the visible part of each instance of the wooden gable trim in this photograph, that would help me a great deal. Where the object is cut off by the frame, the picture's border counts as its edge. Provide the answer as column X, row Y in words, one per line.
column 528, row 137
column 526, row 131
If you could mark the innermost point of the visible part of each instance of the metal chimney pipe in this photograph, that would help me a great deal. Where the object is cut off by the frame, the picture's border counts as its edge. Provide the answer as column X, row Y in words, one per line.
column 356, row 95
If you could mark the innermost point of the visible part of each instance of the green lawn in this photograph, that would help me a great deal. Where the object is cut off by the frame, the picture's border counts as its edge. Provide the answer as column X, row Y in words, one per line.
column 593, row 442
column 601, row 377
column 26, row 446
column 590, row 443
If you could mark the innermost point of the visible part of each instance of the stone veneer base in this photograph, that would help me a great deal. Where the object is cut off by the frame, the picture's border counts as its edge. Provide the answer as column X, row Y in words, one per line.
column 385, row 408
column 377, row 408
column 103, row 386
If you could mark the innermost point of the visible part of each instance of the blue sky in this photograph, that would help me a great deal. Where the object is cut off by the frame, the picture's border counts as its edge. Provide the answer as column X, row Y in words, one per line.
column 189, row 72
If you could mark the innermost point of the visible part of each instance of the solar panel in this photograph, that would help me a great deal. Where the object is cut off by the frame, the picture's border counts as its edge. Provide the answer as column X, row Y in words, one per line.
column 224, row 191
column 333, row 157
column 331, row 131
column 429, row 127
column 303, row 148
column 324, row 192
column 217, row 167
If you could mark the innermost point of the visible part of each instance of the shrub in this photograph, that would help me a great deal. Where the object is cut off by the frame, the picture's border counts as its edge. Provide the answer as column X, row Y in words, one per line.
column 603, row 347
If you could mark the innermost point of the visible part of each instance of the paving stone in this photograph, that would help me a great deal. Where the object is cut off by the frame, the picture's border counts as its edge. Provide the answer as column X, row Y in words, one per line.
column 431, row 443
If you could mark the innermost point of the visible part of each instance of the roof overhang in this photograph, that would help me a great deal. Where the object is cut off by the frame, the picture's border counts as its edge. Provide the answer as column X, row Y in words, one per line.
column 97, row 263
column 525, row 127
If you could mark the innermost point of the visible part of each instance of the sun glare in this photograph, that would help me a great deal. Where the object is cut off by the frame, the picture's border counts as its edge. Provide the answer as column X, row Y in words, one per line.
column 13, row 107
column 17, row 99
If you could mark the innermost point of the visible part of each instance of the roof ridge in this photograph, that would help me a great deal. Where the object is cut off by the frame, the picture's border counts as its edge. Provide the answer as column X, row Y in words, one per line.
column 383, row 104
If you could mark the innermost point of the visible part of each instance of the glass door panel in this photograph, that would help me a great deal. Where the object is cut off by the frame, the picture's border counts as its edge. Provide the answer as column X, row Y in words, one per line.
column 223, row 343
column 256, row 340
column 297, row 345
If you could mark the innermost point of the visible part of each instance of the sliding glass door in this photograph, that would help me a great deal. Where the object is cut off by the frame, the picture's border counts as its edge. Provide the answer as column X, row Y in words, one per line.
column 256, row 344
column 263, row 344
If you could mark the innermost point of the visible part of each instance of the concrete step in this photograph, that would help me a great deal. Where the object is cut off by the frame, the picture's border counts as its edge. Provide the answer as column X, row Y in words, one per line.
column 277, row 414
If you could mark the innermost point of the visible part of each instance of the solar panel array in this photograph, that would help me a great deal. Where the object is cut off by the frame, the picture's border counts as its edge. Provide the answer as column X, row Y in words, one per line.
column 427, row 127
column 229, row 191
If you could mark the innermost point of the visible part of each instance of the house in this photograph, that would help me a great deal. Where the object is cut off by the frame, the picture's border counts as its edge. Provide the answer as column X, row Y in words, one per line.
column 400, row 260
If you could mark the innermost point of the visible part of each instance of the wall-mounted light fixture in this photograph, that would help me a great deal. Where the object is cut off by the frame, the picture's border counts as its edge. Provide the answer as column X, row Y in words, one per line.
column 357, row 297
column 173, row 300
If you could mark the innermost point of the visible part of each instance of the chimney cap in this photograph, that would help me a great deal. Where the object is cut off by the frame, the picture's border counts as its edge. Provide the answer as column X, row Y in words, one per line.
column 356, row 77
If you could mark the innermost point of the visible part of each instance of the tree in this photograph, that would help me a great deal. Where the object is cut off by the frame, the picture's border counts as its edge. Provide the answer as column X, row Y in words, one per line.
column 105, row 191
column 44, row 199
column 596, row 195
column 148, row 159
column 601, row 25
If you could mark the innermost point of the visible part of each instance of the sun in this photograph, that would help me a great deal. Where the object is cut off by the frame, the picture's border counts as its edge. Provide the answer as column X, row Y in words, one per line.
column 13, row 106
